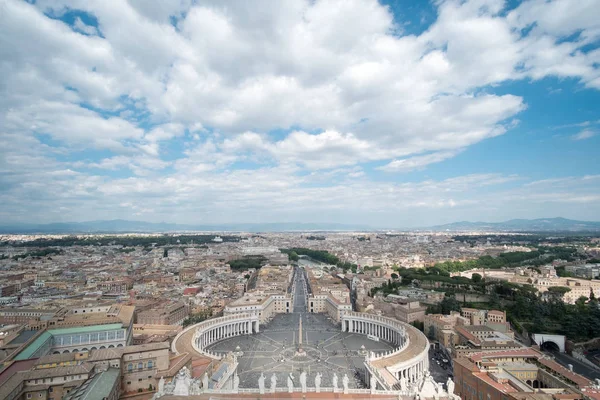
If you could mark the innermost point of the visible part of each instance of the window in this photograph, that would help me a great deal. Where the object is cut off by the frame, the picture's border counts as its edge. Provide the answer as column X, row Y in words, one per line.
column 150, row 364
column 140, row 365
column 130, row 367
column 28, row 395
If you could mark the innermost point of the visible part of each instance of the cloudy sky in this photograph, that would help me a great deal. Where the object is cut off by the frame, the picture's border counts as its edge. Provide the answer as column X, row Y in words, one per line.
column 396, row 113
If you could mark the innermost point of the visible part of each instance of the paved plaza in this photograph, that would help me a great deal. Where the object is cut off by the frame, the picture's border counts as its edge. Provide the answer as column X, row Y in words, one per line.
column 326, row 349
column 273, row 350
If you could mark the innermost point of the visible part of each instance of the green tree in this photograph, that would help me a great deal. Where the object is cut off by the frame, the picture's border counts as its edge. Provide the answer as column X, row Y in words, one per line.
column 558, row 291
column 448, row 304
column 476, row 278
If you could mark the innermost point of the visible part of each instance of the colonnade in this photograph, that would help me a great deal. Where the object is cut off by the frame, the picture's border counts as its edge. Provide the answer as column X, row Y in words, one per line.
column 412, row 373
column 214, row 330
column 375, row 328
column 399, row 367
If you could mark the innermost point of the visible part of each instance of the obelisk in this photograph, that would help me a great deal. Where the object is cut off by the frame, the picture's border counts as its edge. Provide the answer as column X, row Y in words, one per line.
column 300, row 335
column 299, row 350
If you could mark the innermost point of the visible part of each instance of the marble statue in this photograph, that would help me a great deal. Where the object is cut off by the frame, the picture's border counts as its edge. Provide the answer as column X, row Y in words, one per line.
column 403, row 383
column 195, row 387
column 261, row 383
column 182, row 382
column 205, row 381
column 303, row 381
column 273, row 383
column 161, row 385
column 318, row 382
column 334, row 381
column 170, row 387
column 427, row 387
column 345, row 381
column 450, row 386
column 290, row 383
column 373, row 383
column 236, row 382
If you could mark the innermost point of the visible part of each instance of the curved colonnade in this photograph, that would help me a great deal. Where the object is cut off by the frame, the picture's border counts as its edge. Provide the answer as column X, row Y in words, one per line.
column 407, row 363
column 394, row 370
column 214, row 330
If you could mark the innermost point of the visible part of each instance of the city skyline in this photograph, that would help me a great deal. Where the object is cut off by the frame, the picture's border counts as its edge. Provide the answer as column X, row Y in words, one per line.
column 379, row 113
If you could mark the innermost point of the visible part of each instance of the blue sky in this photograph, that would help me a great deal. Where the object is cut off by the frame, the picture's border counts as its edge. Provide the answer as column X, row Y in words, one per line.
column 390, row 114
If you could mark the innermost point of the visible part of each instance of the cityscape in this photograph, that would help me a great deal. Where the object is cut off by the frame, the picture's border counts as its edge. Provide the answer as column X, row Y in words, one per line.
column 300, row 199
column 371, row 314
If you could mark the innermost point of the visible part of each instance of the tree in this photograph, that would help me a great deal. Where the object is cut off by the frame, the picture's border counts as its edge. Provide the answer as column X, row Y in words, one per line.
column 476, row 278
column 394, row 275
column 558, row 291
column 448, row 304
column 580, row 302
column 494, row 300
column 431, row 332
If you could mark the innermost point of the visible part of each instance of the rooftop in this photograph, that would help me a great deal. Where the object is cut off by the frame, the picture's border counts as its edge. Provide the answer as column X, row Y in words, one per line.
column 85, row 329
column 97, row 388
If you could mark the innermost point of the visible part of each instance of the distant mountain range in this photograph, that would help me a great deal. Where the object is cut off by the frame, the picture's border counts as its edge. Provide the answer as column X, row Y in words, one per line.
column 122, row 226
column 522, row 225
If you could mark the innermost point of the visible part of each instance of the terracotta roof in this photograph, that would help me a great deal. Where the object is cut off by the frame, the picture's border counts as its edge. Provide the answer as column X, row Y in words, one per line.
column 502, row 387
column 466, row 334
column 528, row 352
column 572, row 376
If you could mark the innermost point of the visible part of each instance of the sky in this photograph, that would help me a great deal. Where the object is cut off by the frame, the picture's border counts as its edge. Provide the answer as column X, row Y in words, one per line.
column 392, row 114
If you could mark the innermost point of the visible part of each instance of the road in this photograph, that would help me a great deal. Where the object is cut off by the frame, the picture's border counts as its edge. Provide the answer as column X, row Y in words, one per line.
column 299, row 291
column 440, row 371
column 578, row 367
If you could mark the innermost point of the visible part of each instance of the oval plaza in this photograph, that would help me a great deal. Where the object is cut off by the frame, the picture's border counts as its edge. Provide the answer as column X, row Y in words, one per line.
column 296, row 331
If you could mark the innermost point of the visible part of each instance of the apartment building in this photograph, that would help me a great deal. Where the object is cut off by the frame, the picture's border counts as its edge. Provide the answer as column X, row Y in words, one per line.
column 170, row 313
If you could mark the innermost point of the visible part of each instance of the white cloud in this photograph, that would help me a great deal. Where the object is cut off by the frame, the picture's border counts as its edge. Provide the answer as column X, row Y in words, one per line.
column 411, row 163
column 81, row 26
column 584, row 134
column 299, row 87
